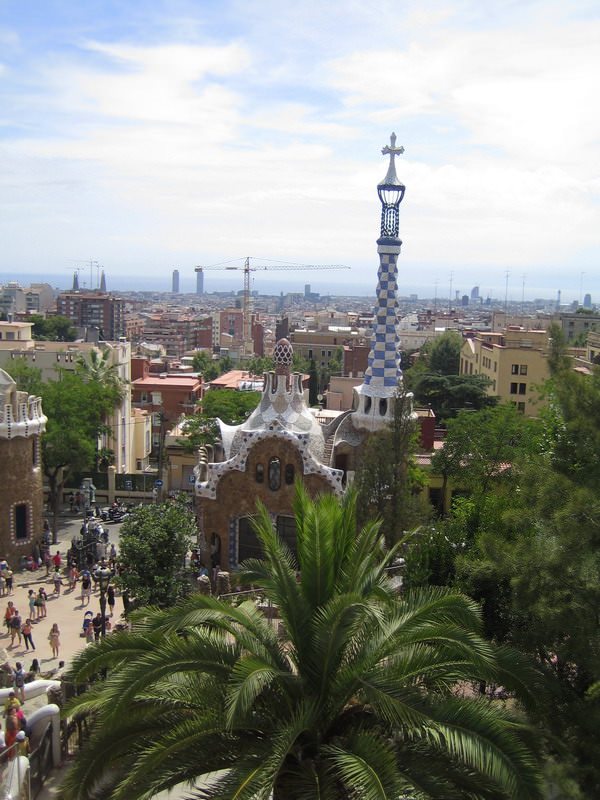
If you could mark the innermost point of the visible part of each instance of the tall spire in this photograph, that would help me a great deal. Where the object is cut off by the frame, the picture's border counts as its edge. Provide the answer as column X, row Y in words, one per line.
column 383, row 377
column 75, row 282
column 103, row 283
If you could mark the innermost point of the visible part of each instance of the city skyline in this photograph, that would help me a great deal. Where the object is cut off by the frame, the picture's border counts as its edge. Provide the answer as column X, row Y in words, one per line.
column 158, row 138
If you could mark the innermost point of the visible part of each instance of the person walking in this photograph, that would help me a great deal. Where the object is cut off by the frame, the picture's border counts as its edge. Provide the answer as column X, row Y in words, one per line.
column 73, row 577
column 54, row 639
column 19, row 682
column 86, row 587
column 9, row 578
column 26, row 630
column 110, row 598
column 57, row 581
column 8, row 614
column 97, row 626
column 41, row 599
column 31, row 597
column 15, row 627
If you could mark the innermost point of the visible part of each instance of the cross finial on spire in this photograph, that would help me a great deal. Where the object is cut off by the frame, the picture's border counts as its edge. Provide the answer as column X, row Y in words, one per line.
column 392, row 149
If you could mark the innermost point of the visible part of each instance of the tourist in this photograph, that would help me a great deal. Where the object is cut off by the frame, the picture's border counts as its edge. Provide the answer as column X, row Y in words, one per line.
column 2, row 585
column 110, row 598
column 26, row 630
column 41, row 602
column 19, row 681
column 15, row 627
column 54, row 639
column 73, row 576
column 11, row 702
column 13, row 726
column 86, row 587
column 57, row 560
column 9, row 578
column 97, row 626
column 34, row 671
column 31, row 600
column 57, row 581
column 23, row 748
column 8, row 614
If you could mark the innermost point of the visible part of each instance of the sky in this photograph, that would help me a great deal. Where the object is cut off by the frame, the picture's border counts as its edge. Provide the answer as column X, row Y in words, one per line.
column 167, row 134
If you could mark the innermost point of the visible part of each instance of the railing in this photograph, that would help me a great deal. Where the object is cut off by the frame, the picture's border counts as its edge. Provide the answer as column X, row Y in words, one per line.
column 14, row 774
column 41, row 762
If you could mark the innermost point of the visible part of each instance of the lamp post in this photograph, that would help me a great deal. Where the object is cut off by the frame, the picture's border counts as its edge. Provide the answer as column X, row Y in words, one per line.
column 102, row 577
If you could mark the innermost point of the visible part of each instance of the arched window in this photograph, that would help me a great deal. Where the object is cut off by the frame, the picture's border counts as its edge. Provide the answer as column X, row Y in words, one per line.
column 289, row 474
column 260, row 473
column 274, row 474
column 383, row 406
column 367, row 404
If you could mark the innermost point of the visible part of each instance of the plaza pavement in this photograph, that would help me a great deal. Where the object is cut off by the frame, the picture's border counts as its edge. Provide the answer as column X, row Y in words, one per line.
column 66, row 609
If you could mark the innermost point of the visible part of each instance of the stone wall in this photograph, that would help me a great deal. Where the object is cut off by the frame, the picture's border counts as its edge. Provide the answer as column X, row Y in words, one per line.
column 21, row 485
column 238, row 493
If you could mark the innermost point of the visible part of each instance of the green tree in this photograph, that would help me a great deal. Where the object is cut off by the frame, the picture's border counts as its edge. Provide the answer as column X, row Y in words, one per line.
column 201, row 361
column 446, row 395
column 444, row 353
column 96, row 366
column 76, row 411
column 481, row 446
column 356, row 700
column 52, row 329
column 27, row 378
column 387, row 478
column 152, row 547
column 229, row 405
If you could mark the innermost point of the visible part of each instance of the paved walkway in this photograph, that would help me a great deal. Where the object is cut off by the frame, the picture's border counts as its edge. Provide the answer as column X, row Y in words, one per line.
column 66, row 609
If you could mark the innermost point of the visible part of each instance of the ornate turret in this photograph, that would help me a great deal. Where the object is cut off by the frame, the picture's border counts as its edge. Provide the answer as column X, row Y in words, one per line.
column 20, row 414
column 21, row 499
column 282, row 406
column 373, row 402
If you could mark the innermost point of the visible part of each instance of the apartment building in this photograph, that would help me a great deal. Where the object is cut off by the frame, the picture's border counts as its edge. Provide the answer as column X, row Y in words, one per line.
column 515, row 361
column 94, row 310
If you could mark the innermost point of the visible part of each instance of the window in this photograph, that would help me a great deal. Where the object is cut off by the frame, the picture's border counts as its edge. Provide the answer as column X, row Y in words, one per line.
column 289, row 474
column 495, row 366
column 523, row 369
column 514, row 369
column 259, row 473
column 274, row 474
column 21, row 526
column 514, row 388
column 522, row 388
column 383, row 406
column 156, row 398
column 521, row 407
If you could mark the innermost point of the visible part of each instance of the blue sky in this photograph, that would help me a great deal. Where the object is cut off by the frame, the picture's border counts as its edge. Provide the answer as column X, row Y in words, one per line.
column 163, row 135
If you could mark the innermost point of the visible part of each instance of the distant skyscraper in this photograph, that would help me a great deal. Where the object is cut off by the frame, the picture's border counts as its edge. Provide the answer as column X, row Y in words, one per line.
column 75, row 282
column 587, row 301
column 175, row 282
column 199, row 281
column 475, row 293
column 103, row 283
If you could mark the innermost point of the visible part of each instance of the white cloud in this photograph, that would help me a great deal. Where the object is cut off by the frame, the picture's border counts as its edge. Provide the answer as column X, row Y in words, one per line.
column 267, row 141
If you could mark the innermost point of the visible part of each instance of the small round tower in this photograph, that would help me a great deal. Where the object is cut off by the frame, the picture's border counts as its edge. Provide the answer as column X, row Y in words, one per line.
column 21, row 499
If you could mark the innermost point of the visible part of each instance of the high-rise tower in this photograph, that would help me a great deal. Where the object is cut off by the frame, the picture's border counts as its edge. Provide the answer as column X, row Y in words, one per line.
column 374, row 398
column 175, row 282
column 199, row 280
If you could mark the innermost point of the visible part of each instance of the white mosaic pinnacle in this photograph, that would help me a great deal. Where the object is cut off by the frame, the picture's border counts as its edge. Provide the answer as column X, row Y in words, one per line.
column 384, row 358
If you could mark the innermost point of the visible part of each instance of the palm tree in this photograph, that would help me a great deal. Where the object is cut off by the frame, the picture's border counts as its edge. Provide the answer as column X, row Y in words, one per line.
column 97, row 367
column 356, row 701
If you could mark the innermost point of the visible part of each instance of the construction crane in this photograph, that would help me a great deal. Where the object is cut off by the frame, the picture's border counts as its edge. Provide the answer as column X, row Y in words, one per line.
column 247, row 269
